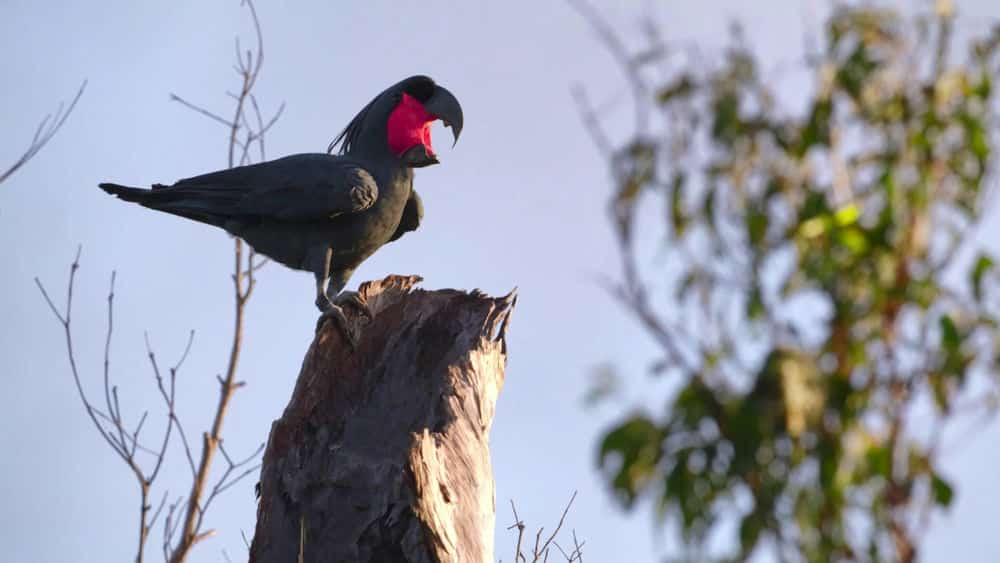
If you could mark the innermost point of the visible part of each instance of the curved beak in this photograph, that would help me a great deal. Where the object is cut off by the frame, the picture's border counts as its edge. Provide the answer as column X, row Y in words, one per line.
column 445, row 107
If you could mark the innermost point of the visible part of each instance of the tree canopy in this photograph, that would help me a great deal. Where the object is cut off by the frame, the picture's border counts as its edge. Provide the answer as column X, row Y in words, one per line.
column 823, row 306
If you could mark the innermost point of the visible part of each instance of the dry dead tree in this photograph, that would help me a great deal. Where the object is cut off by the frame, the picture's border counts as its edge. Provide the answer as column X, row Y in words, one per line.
column 382, row 452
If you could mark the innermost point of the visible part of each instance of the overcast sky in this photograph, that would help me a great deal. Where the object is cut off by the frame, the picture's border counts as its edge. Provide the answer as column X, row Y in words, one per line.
column 519, row 202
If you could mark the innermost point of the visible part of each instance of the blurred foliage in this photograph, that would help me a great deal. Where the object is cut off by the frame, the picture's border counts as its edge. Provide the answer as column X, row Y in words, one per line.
column 823, row 310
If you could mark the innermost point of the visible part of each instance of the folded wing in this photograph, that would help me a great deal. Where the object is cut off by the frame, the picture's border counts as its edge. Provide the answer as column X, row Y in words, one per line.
column 299, row 188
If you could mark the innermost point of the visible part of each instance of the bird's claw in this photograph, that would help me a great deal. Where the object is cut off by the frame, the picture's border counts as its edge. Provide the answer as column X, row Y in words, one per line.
column 334, row 313
column 333, row 310
column 355, row 299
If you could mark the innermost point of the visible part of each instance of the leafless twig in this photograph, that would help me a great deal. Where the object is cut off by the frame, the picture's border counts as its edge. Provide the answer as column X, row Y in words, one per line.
column 109, row 422
column 184, row 517
column 629, row 63
column 47, row 129
column 540, row 550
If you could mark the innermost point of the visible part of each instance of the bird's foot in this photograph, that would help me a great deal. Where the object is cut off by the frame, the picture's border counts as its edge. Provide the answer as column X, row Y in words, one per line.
column 334, row 313
column 354, row 299
column 333, row 310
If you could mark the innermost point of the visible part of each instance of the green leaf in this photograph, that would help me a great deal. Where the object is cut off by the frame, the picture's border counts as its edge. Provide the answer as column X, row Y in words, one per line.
column 856, row 71
column 726, row 126
column 951, row 339
column 854, row 240
column 638, row 442
column 678, row 216
column 879, row 459
column 812, row 228
column 817, row 129
column 847, row 215
column 976, row 136
column 755, row 303
column 943, row 492
column 983, row 88
column 756, row 222
column 708, row 209
column 939, row 390
column 750, row 529
column 983, row 265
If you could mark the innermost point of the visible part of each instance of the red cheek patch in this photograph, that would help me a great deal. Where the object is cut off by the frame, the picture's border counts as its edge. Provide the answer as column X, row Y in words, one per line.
column 409, row 125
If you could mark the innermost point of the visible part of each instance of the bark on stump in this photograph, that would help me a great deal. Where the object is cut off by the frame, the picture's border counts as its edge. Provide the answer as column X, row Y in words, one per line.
column 382, row 454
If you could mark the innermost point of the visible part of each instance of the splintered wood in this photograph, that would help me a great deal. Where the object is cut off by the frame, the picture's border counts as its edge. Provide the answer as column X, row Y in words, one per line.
column 382, row 454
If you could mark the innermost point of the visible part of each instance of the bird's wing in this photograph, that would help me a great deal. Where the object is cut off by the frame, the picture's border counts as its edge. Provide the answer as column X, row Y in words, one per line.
column 346, row 189
column 412, row 214
column 304, row 187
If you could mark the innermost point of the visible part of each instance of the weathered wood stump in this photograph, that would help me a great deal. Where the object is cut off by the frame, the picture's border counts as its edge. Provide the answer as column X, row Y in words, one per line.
column 382, row 453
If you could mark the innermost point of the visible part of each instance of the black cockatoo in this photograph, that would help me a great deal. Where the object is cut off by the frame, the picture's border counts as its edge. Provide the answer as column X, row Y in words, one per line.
column 324, row 213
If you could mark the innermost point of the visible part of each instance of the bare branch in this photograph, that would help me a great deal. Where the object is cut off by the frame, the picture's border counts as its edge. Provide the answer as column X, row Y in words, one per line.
column 626, row 61
column 65, row 319
column 520, row 533
column 560, row 525
column 540, row 550
column 168, row 399
column 591, row 120
column 110, row 425
column 47, row 129
column 262, row 127
column 182, row 524
column 170, row 525
column 201, row 110
column 248, row 67
column 226, row 480
column 159, row 509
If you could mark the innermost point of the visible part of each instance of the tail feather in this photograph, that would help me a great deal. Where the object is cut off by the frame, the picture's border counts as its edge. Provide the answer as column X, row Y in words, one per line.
column 136, row 195
column 177, row 201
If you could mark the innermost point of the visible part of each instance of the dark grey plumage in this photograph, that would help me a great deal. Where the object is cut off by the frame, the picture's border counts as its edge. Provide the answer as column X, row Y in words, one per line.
column 318, row 212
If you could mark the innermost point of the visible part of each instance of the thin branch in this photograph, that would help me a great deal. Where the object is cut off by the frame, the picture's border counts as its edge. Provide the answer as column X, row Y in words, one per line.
column 591, row 120
column 248, row 66
column 110, row 425
column 520, row 533
column 66, row 320
column 540, row 551
column 562, row 519
column 47, row 129
column 262, row 128
column 170, row 525
column 182, row 523
column 225, row 481
column 187, row 446
column 114, row 409
column 201, row 110
column 168, row 398
column 626, row 61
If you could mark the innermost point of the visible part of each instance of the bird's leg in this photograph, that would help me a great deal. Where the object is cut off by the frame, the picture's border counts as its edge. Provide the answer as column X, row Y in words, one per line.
column 327, row 284
column 329, row 309
column 354, row 299
column 323, row 301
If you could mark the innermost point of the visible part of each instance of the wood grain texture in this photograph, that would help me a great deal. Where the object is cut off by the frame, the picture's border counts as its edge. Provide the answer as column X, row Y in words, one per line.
column 382, row 453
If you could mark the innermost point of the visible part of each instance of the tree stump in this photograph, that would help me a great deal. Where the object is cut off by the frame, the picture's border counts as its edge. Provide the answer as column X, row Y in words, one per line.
column 382, row 453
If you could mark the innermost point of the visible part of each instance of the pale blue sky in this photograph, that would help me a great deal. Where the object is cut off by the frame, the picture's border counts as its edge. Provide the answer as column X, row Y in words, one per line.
column 520, row 201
